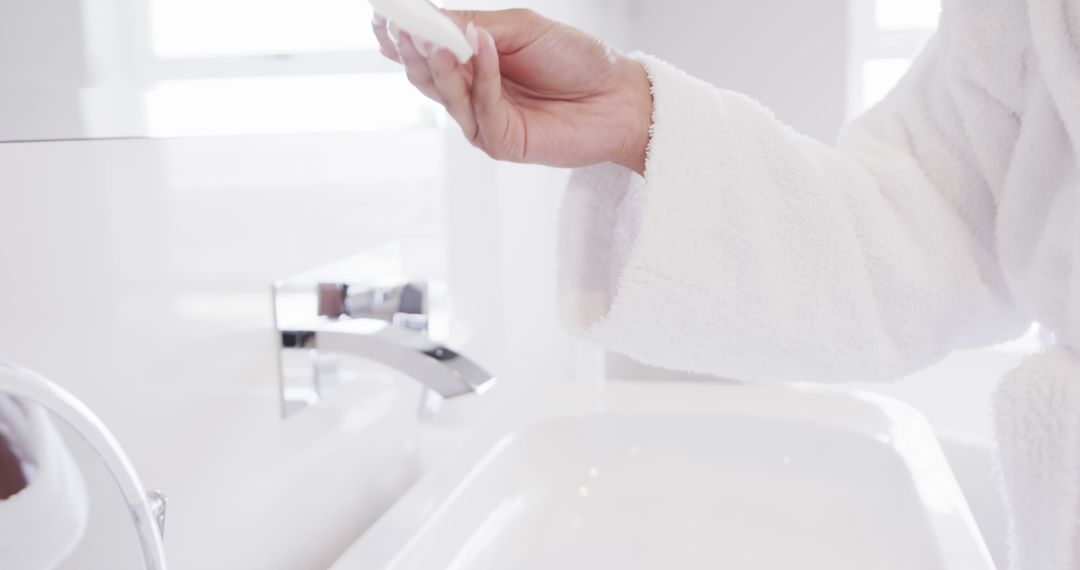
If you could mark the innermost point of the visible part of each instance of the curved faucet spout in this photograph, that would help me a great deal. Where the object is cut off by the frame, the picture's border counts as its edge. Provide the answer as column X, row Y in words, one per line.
column 438, row 368
column 362, row 306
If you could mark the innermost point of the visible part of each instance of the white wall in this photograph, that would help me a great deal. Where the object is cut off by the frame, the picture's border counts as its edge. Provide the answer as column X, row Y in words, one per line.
column 43, row 42
column 791, row 56
column 137, row 274
column 71, row 69
column 41, row 48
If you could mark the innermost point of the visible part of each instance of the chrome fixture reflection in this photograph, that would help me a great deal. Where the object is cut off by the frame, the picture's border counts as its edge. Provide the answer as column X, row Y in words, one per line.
column 363, row 307
column 158, row 504
column 147, row 510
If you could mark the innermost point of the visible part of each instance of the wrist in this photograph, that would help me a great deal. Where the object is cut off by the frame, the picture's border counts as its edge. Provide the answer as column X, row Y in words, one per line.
column 636, row 86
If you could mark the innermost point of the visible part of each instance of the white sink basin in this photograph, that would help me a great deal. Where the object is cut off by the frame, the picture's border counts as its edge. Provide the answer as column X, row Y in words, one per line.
column 686, row 475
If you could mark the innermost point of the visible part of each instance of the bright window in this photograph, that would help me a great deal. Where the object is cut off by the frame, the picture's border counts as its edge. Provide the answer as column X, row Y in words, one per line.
column 886, row 36
column 268, row 105
column 880, row 76
column 235, row 67
column 218, row 28
column 907, row 14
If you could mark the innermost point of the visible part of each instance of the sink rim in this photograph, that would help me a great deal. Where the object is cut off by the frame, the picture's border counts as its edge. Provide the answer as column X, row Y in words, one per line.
column 892, row 423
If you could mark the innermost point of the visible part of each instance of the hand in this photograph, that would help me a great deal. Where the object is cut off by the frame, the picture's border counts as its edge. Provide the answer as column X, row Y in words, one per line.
column 536, row 91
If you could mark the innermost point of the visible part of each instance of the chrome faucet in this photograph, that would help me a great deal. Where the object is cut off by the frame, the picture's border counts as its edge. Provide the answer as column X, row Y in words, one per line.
column 362, row 307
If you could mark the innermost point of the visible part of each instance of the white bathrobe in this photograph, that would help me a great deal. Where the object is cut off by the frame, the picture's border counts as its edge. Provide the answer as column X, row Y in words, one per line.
column 947, row 218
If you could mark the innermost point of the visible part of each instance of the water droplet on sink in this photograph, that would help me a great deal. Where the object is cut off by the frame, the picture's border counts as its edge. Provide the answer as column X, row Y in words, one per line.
column 594, row 473
column 583, row 491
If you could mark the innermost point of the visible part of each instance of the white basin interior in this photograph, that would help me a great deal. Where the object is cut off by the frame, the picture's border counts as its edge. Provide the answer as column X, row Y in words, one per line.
column 686, row 476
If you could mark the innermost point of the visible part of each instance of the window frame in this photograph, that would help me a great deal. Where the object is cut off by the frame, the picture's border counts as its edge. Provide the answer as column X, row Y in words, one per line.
column 867, row 42
column 141, row 66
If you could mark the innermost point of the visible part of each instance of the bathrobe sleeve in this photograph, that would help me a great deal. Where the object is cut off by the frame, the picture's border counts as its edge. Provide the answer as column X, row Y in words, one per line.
column 751, row 252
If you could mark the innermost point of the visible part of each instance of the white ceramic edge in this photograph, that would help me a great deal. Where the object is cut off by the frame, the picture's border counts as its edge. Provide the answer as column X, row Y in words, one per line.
column 883, row 419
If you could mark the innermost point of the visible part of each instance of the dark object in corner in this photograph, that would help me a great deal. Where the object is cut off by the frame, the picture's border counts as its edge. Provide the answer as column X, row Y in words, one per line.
column 12, row 478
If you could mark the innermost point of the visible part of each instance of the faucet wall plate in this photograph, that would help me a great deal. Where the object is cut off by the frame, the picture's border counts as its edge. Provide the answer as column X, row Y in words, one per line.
column 363, row 306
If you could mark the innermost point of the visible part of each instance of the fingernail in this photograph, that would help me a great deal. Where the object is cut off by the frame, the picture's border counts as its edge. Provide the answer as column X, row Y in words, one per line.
column 378, row 21
column 473, row 37
column 423, row 48
column 395, row 33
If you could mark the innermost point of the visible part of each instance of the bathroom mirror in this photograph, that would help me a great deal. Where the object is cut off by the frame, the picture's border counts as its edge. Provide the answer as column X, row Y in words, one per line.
column 92, row 69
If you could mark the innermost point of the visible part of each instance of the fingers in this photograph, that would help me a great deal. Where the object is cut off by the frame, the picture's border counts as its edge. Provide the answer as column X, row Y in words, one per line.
column 417, row 68
column 472, row 94
column 452, row 84
column 487, row 93
column 382, row 33
column 440, row 78
column 512, row 29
